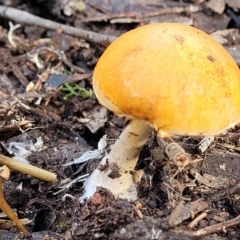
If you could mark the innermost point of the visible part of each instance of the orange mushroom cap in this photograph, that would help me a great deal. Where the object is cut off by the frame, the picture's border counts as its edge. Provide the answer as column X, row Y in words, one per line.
column 176, row 77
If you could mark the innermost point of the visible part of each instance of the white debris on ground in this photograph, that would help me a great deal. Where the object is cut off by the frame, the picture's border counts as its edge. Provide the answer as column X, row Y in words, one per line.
column 81, row 178
column 90, row 185
column 21, row 150
column 87, row 156
column 205, row 143
column 90, row 155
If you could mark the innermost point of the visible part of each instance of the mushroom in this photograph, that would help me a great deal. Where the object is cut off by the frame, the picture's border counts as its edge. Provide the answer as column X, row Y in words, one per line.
column 169, row 77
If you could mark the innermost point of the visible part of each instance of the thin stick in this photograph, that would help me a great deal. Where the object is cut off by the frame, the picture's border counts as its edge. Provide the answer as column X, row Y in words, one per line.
column 211, row 229
column 23, row 17
column 197, row 220
column 9, row 212
column 28, row 169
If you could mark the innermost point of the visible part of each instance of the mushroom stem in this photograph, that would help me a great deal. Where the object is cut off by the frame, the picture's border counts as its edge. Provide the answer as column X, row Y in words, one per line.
column 127, row 148
column 122, row 159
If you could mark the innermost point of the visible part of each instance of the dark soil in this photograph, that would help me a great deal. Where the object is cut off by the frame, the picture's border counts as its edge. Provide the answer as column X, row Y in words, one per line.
column 69, row 125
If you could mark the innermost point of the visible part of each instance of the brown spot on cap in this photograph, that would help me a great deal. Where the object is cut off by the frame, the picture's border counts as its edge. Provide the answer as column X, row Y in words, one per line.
column 179, row 39
column 211, row 58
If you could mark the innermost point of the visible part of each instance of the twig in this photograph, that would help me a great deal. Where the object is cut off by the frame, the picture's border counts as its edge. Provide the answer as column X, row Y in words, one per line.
column 211, row 229
column 28, row 169
column 4, row 206
column 231, row 147
column 131, row 16
column 222, row 193
column 7, row 224
column 197, row 220
column 177, row 193
column 61, row 55
column 12, row 28
column 23, row 17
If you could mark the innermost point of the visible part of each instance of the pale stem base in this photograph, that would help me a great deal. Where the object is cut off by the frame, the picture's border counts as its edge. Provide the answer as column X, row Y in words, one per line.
column 124, row 153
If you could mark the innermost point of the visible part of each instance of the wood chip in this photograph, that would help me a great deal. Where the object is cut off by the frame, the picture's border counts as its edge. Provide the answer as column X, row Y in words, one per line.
column 218, row 6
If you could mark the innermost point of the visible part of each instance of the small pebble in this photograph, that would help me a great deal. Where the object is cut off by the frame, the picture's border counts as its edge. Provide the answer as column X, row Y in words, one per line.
column 96, row 199
column 123, row 231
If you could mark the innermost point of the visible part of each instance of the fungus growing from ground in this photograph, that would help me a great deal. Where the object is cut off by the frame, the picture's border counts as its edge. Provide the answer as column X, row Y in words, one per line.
column 169, row 77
